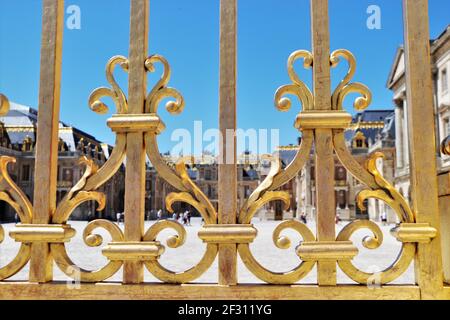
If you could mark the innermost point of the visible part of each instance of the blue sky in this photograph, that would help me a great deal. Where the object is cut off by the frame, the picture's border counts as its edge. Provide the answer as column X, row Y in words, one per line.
column 187, row 34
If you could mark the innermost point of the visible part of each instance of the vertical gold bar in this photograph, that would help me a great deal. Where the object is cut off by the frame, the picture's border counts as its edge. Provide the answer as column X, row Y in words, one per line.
column 133, row 272
column 46, row 164
column 227, row 119
column 326, row 208
column 422, row 141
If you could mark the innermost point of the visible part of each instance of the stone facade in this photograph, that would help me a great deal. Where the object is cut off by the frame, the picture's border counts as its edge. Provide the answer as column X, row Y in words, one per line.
column 203, row 171
column 440, row 60
column 370, row 131
column 17, row 139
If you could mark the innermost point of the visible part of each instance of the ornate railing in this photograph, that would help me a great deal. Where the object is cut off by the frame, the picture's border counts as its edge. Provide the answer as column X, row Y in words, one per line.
column 44, row 231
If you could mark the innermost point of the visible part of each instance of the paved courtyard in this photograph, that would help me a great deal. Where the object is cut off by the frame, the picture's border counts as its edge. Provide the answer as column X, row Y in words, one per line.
column 190, row 253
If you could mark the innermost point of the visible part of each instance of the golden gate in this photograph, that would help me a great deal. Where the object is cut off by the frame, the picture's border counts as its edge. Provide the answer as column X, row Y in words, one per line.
column 43, row 231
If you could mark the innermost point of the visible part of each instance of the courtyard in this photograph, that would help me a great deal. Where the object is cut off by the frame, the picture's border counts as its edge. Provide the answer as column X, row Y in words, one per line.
column 190, row 253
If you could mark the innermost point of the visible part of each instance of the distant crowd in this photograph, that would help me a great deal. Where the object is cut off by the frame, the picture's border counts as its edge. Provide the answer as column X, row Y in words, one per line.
column 183, row 217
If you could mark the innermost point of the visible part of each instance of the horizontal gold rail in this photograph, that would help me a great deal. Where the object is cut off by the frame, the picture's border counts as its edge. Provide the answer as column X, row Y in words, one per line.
column 155, row 291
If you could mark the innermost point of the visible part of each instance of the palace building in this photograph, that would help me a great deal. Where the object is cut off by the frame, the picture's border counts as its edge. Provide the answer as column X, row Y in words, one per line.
column 440, row 62
column 18, row 131
column 370, row 131
column 203, row 170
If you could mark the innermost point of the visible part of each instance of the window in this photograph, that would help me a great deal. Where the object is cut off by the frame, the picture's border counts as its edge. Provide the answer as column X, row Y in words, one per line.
column 207, row 174
column 67, row 175
column 359, row 141
column 210, row 191
column 26, row 172
column 247, row 192
column 444, row 80
column 340, row 174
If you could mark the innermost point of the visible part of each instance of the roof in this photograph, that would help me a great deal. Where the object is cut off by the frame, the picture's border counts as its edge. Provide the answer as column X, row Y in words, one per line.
column 372, row 123
column 21, row 122
column 441, row 39
column 287, row 154
column 398, row 66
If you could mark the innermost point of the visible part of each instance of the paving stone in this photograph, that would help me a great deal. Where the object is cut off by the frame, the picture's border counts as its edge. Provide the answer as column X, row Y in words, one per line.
column 191, row 252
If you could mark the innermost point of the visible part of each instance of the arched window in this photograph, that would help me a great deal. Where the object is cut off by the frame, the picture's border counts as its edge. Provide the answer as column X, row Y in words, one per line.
column 359, row 141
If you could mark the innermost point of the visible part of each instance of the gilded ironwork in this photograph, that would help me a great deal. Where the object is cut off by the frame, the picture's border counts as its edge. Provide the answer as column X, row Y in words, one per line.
column 345, row 87
column 319, row 120
column 342, row 251
column 11, row 194
column 178, row 178
column 115, row 92
column 445, row 146
column 4, row 105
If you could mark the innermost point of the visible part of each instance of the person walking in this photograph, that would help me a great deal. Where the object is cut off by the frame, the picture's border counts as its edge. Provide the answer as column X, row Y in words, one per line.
column 303, row 218
column 188, row 215
column 159, row 215
column 184, row 215
column 383, row 217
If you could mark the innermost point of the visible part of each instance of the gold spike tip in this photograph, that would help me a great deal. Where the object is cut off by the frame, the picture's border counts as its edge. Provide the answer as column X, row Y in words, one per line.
column 149, row 65
column 4, row 160
column 4, row 105
column 125, row 65
column 372, row 161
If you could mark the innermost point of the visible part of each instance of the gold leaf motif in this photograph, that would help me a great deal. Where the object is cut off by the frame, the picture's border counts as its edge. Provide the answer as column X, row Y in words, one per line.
column 79, row 195
column 298, row 87
column 385, row 192
column 280, row 242
column 160, row 91
column 175, row 241
column 12, row 194
column 16, row 198
column 345, row 87
column 179, row 178
column 194, row 196
column 387, row 275
column 66, row 265
column 115, row 93
column 261, row 196
column 91, row 169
